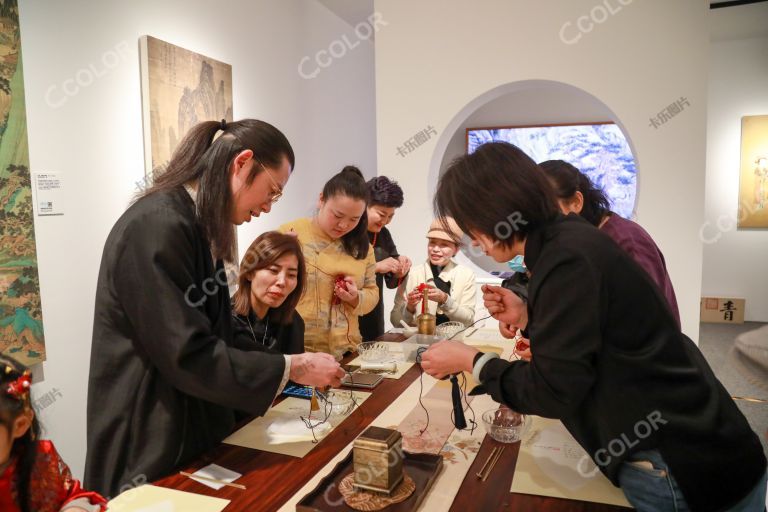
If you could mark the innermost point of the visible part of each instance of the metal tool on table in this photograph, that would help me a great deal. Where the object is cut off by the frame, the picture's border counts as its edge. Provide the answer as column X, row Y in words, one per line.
column 427, row 321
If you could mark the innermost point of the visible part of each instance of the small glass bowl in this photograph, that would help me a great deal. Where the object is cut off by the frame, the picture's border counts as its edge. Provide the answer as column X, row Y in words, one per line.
column 341, row 402
column 450, row 331
column 505, row 425
column 373, row 352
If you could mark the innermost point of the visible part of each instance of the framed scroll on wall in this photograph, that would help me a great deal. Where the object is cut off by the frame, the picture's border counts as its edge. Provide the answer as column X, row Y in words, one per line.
column 21, row 317
column 179, row 88
column 753, row 174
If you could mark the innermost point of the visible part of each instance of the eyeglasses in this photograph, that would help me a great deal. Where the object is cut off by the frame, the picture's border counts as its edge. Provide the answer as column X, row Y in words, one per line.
column 274, row 196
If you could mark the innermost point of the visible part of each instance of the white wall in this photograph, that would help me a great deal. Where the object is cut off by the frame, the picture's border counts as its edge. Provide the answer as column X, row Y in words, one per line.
column 95, row 138
column 734, row 260
column 434, row 59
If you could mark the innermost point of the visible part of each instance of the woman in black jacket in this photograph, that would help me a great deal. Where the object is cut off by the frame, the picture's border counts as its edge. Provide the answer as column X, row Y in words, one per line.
column 386, row 196
column 271, row 281
column 608, row 360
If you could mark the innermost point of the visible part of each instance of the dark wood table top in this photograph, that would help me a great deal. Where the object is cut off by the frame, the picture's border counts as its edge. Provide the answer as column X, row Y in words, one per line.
column 272, row 479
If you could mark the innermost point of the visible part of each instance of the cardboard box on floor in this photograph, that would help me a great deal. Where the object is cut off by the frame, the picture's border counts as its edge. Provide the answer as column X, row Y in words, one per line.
column 720, row 310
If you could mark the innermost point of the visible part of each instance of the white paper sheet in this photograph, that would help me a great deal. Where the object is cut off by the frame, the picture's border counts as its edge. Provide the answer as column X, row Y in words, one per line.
column 217, row 472
column 150, row 498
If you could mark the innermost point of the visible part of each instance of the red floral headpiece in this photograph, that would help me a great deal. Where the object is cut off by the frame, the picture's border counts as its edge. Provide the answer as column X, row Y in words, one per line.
column 19, row 388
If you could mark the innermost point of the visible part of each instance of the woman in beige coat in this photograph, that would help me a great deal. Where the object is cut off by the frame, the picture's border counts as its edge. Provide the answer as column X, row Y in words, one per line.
column 452, row 289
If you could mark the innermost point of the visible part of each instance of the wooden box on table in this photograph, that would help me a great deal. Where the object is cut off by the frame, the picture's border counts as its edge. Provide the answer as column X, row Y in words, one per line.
column 378, row 459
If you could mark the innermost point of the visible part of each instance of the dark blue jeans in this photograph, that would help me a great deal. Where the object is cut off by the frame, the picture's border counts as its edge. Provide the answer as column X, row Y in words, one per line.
column 655, row 489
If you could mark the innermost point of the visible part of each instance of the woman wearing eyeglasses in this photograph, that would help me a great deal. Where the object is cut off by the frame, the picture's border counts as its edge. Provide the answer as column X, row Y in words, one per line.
column 166, row 373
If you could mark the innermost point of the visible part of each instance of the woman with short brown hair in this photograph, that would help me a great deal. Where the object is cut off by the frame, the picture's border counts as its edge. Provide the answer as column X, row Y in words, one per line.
column 272, row 278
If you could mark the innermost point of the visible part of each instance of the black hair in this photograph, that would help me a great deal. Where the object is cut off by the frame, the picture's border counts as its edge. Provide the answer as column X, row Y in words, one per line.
column 200, row 158
column 351, row 183
column 567, row 180
column 497, row 191
column 25, row 447
column 385, row 192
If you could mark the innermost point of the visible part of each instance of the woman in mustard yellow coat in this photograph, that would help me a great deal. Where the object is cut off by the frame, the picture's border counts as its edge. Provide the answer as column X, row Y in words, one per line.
column 341, row 268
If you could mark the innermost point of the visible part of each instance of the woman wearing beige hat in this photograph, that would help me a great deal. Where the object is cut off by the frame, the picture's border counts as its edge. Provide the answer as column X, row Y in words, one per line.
column 452, row 290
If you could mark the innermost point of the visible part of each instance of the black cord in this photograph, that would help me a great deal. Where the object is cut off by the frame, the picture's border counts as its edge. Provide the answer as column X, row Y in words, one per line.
column 351, row 392
column 308, row 421
column 328, row 408
column 420, row 351
column 472, row 422
column 470, row 325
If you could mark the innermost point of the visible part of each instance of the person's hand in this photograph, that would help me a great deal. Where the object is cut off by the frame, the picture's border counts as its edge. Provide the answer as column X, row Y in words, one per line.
column 448, row 357
column 316, row 369
column 437, row 295
column 523, row 349
column 388, row 265
column 507, row 330
column 412, row 299
column 405, row 265
column 505, row 306
column 351, row 296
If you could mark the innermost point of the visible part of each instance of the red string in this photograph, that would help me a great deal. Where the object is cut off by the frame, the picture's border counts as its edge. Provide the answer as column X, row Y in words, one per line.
column 341, row 306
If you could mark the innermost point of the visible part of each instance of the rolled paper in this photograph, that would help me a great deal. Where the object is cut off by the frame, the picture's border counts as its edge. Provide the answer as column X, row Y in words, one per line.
column 390, row 367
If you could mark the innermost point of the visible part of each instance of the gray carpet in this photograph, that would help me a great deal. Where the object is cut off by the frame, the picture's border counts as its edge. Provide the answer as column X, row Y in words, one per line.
column 739, row 375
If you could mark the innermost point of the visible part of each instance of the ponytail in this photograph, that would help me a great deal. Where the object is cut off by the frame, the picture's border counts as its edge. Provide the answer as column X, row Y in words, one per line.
column 351, row 183
column 200, row 158
column 566, row 180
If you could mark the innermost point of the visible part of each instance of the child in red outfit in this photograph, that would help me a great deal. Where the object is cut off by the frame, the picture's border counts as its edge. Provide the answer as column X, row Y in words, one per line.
column 33, row 478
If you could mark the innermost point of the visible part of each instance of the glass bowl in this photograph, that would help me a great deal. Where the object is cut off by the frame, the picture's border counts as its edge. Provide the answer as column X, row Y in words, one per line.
column 340, row 402
column 505, row 425
column 450, row 331
column 373, row 352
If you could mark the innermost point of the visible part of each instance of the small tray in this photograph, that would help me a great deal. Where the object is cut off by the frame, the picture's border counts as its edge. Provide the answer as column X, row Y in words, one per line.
column 422, row 467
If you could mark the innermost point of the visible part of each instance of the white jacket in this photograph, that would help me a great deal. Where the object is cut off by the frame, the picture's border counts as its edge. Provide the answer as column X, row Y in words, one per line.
column 459, row 307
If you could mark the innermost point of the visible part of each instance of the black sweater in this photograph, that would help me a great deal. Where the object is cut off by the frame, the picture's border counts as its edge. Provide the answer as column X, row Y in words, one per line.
column 249, row 334
column 610, row 362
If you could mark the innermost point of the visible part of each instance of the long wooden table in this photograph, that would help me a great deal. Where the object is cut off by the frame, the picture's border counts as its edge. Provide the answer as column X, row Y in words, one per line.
column 271, row 479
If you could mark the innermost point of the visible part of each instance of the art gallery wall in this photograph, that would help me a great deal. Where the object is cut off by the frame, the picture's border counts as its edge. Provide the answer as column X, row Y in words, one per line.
column 84, row 112
column 429, row 70
column 734, row 259
column 431, row 73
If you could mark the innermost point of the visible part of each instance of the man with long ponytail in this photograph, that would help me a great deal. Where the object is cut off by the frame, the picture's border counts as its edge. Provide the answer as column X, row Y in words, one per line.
column 166, row 374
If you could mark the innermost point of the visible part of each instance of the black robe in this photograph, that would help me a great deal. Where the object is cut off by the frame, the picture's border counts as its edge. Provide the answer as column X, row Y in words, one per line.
column 372, row 324
column 165, row 376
